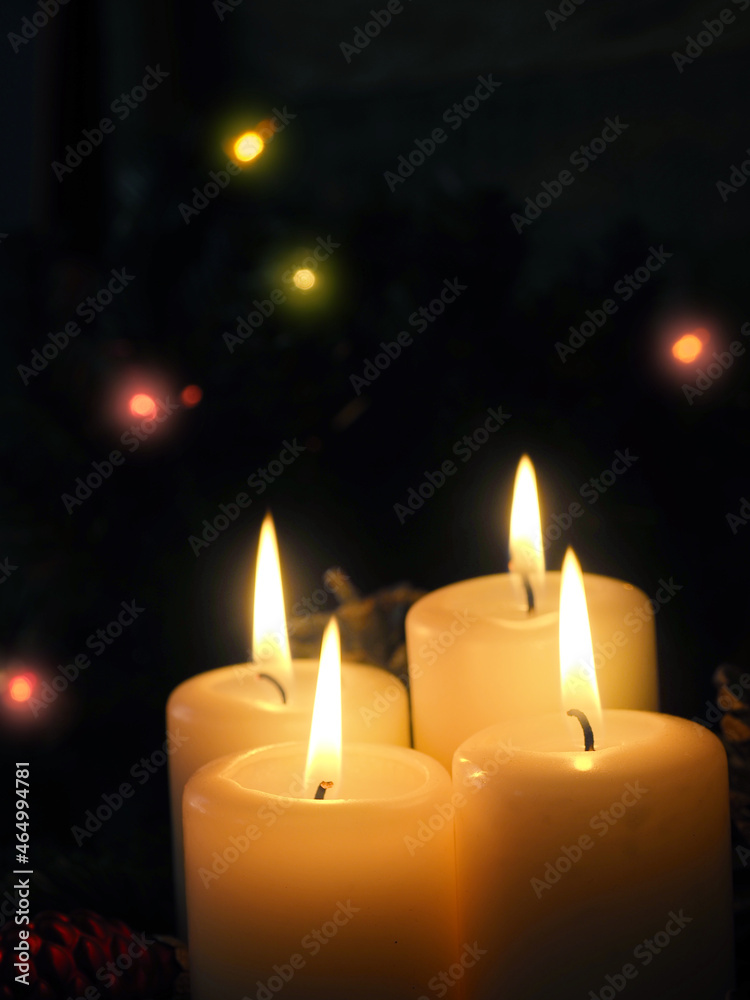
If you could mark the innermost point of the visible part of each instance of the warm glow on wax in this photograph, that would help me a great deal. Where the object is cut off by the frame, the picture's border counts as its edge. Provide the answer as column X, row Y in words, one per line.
column 324, row 751
column 580, row 690
column 270, row 638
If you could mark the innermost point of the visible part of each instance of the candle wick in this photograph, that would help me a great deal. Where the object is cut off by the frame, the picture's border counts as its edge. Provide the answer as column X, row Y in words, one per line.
column 529, row 592
column 588, row 732
column 267, row 677
column 320, row 791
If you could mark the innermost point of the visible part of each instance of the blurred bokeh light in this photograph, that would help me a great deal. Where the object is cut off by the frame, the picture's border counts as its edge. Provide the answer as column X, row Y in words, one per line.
column 248, row 146
column 689, row 346
column 142, row 405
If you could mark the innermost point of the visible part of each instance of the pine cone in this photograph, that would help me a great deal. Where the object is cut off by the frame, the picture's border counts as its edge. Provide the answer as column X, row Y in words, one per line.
column 372, row 628
column 733, row 698
column 72, row 953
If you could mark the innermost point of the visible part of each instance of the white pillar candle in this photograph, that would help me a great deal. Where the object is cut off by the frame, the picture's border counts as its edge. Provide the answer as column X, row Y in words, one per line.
column 224, row 711
column 477, row 655
column 240, row 707
column 323, row 898
column 594, row 870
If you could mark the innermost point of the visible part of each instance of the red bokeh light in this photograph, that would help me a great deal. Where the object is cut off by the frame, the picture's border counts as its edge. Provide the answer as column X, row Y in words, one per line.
column 20, row 687
column 689, row 346
column 191, row 395
column 142, row 405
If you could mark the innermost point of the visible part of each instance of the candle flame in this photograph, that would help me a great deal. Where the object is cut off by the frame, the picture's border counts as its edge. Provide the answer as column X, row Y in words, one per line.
column 270, row 638
column 577, row 673
column 324, row 751
column 526, row 552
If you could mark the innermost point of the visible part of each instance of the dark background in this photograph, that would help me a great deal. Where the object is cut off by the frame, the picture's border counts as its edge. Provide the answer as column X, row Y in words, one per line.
column 323, row 176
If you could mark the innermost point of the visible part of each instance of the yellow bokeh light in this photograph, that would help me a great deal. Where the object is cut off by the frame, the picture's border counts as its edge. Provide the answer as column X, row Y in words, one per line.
column 248, row 146
column 303, row 278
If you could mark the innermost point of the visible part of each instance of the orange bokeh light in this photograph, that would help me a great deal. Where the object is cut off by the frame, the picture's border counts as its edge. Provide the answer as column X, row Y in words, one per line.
column 689, row 346
column 191, row 395
column 20, row 688
column 142, row 405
